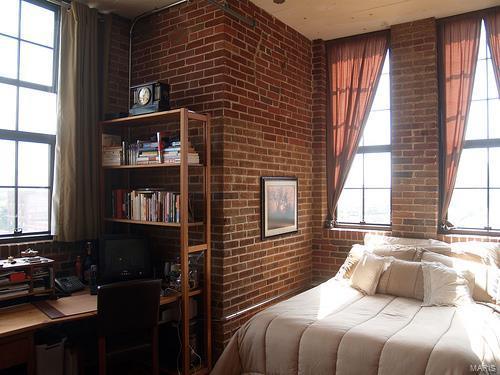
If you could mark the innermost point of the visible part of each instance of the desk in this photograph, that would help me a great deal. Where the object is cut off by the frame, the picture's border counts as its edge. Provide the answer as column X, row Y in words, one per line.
column 19, row 323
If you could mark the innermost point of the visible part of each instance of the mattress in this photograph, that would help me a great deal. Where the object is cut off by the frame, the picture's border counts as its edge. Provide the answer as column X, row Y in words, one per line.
column 334, row 329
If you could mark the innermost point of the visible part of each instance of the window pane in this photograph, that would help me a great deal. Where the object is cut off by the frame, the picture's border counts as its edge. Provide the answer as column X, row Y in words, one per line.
column 8, row 99
column 468, row 208
column 382, row 98
column 378, row 206
column 8, row 61
column 495, row 169
column 349, row 206
column 472, row 168
column 36, row 64
column 494, row 117
column 480, row 84
column 482, row 43
column 9, row 17
column 7, row 213
column 477, row 125
column 492, row 83
column 355, row 177
column 37, row 24
column 378, row 129
column 495, row 208
column 33, row 164
column 37, row 111
column 8, row 158
column 378, row 170
column 33, row 210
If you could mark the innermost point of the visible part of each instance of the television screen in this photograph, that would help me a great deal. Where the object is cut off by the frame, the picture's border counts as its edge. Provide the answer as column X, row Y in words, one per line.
column 123, row 258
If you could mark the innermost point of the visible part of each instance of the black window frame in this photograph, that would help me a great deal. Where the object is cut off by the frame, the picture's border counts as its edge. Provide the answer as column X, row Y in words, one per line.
column 24, row 136
column 484, row 144
column 362, row 150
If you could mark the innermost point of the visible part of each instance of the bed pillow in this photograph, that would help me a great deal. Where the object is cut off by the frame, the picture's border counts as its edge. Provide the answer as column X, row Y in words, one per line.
column 445, row 286
column 486, row 278
column 397, row 251
column 402, row 279
column 367, row 272
column 426, row 244
column 483, row 252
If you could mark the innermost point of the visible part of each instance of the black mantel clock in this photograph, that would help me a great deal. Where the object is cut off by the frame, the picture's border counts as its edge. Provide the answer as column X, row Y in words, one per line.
column 150, row 97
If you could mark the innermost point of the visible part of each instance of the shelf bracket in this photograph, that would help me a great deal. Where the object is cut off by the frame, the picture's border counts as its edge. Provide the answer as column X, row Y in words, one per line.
column 227, row 9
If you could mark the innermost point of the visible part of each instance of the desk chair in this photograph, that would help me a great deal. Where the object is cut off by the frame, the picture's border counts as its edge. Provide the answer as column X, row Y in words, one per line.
column 127, row 318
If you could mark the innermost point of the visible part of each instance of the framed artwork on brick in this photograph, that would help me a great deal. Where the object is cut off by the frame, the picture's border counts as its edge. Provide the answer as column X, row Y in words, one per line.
column 278, row 206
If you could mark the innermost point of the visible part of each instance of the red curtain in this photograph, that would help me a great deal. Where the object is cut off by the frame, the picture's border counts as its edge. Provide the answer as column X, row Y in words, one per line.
column 355, row 66
column 492, row 22
column 460, row 46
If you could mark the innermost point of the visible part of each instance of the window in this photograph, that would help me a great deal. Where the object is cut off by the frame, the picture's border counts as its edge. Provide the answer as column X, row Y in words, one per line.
column 475, row 203
column 28, row 80
column 366, row 197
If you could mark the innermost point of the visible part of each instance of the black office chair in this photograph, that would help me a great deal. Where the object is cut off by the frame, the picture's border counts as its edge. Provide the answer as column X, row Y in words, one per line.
column 127, row 320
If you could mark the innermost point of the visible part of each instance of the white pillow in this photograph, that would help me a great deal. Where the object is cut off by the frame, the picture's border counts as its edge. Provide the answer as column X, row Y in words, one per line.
column 486, row 278
column 426, row 244
column 484, row 252
column 445, row 286
column 367, row 272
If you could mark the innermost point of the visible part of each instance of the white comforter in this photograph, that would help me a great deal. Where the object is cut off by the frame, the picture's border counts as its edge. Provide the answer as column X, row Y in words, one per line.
column 334, row 329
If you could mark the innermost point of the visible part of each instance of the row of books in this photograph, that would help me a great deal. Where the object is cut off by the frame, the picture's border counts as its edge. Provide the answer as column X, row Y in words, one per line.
column 147, row 205
column 162, row 149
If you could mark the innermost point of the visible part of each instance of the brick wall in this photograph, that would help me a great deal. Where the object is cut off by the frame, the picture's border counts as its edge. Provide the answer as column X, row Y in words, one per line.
column 256, row 83
column 118, row 66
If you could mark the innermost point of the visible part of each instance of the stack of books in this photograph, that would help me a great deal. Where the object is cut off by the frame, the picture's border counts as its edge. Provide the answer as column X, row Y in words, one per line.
column 159, row 149
column 112, row 150
column 147, row 205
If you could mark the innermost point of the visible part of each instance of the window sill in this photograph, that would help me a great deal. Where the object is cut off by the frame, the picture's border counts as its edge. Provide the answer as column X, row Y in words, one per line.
column 469, row 233
column 25, row 239
column 362, row 228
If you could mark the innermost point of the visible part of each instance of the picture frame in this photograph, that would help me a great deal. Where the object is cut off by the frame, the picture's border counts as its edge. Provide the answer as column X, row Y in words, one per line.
column 278, row 206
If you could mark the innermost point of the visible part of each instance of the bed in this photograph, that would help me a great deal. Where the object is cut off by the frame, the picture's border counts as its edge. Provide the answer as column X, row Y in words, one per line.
column 335, row 329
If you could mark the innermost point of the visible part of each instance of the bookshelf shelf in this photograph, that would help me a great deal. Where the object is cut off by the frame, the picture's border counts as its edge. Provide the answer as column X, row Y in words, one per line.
column 181, row 119
column 146, row 166
column 156, row 223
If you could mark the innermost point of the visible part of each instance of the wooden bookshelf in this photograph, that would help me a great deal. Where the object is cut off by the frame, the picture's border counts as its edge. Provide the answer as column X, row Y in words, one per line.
column 179, row 117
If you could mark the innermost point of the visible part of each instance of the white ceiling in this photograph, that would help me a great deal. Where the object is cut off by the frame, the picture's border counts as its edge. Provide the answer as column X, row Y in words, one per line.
column 327, row 19
column 330, row 19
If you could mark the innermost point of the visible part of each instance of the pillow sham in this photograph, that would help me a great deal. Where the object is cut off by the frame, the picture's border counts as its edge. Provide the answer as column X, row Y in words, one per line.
column 408, row 253
column 426, row 244
column 367, row 272
column 486, row 278
column 445, row 286
column 403, row 279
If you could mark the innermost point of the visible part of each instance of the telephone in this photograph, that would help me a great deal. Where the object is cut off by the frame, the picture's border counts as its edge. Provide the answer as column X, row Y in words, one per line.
column 69, row 284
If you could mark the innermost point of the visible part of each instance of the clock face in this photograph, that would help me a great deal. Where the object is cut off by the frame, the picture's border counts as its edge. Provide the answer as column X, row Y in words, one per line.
column 144, row 95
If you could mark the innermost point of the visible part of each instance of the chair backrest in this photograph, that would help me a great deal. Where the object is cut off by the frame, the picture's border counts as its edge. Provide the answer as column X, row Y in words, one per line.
column 127, row 307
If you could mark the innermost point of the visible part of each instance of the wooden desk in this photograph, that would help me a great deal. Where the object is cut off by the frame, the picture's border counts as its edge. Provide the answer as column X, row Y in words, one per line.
column 19, row 323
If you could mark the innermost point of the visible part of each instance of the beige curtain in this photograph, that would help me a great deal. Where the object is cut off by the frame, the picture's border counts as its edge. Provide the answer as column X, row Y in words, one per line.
column 76, row 185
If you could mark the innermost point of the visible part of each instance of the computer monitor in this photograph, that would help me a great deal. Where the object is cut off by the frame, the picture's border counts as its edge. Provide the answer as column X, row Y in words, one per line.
column 123, row 258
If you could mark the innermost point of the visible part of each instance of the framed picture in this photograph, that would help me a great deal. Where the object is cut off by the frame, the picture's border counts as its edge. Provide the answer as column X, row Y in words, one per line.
column 278, row 206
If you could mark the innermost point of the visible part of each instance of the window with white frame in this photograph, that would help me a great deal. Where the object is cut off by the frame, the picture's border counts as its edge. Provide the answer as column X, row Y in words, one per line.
column 28, row 89
column 475, row 203
column 366, row 197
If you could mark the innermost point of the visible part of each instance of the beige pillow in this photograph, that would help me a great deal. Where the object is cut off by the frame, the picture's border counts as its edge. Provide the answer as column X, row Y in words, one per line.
column 486, row 278
column 445, row 286
column 424, row 243
column 408, row 253
column 403, row 279
column 367, row 272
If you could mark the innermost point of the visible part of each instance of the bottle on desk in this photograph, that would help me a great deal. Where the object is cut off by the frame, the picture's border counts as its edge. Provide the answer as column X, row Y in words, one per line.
column 87, row 263
column 78, row 267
